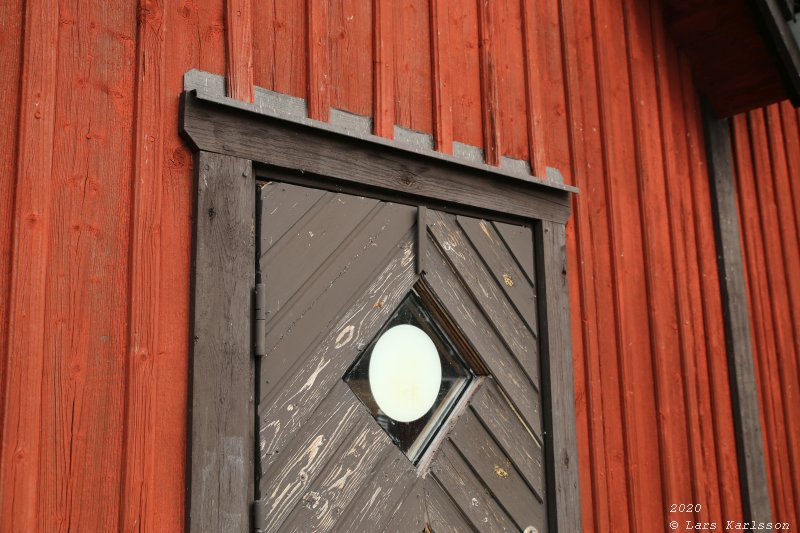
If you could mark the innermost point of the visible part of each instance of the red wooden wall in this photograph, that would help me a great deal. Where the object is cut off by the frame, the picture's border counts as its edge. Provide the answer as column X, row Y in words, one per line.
column 95, row 227
column 767, row 147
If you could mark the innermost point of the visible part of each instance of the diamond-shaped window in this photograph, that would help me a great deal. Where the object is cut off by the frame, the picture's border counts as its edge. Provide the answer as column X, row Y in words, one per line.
column 410, row 376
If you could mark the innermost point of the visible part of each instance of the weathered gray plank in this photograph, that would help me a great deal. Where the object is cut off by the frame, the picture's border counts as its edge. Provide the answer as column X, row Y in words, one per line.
column 524, row 451
column 444, row 516
column 738, row 341
column 518, row 239
column 381, row 496
column 221, row 449
column 310, row 149
column 460, row 483
column 282, row 486
column 290, row 204
column 476, row 329
column 305, row 387
column 327, row 498
column 561, row 453
column 337, row 280
column 489, row 297
column 410, row 515
column 287, row 266
column 503, row 267
column 497, row 472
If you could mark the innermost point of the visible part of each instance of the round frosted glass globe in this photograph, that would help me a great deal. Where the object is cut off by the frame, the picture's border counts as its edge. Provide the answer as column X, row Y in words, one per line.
column 405, row 373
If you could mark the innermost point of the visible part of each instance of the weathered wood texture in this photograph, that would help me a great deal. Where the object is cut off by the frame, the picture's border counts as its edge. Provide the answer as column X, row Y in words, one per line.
column 222, row 445
column 11, row 26
column 577, row 104
column 87, row 93
column 765, row 148
column 339, row 265
column 239, row 49
column 738, row 338
column 560, row 441
column 145, row 271
column 210, row 124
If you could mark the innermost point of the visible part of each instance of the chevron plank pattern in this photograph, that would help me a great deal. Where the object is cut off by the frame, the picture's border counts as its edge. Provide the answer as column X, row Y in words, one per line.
column 335, row 268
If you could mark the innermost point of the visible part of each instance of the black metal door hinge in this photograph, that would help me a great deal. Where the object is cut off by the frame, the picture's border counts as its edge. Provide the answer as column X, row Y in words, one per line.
column 259, row 515
column 260, row 326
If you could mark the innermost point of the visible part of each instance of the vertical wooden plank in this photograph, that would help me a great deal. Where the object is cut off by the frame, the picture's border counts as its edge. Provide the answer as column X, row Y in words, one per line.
column 545, row 86
column 761, row 316
column 141, row 450
column 280, row 46
column 85, row 328
column 221, row 425
column 747, row 420
column 679, row 432
column 239, row 49
column 11, row 25
column 441, row 75
column 352, row 62
column 19, row 462
column 558, row 394
column 670, row 366
column 489, row 97
column 319, row 61
column 778, row 295
column 696, row 207
column 601, row 455
column 778, row 195
column 791, row 139
column 412, row 65
column 533, row 90
column 636, row 384
column 509, row 67
column 383, row 50
column 188, row 28
column 210, row 17
column 786, row 213
column 463, row 60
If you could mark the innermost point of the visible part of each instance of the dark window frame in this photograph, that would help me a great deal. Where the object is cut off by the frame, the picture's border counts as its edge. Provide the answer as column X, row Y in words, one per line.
column 234, row 142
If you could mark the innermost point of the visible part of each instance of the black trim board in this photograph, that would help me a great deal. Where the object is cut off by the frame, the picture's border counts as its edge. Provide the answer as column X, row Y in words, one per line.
column 741, row 372
column 233, row 141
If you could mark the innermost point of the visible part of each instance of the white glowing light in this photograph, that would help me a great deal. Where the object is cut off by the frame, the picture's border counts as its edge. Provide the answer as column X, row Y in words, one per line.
column 405, row 373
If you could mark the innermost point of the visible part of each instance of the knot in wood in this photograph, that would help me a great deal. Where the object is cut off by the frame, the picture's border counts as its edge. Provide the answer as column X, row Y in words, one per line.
column 311, row 499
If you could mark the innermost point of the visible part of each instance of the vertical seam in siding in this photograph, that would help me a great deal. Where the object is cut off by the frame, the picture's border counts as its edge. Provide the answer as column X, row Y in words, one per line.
column 19, row 463
column 672, row 482
column 442, row 91
column 628, row 430
column 7, row 241
column 137, row 494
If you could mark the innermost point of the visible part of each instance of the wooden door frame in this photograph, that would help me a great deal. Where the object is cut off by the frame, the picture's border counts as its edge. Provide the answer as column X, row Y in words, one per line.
column 234, row 141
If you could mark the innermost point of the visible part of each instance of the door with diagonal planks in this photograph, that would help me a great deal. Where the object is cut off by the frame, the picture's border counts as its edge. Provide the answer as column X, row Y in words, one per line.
column 338, row 270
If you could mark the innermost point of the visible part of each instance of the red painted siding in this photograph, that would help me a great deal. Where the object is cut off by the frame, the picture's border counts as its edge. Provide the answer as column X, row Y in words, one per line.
column 95, row 231
column 767, row 149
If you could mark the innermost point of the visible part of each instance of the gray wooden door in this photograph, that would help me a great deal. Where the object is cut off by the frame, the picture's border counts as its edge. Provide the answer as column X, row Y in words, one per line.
column 336, row 267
